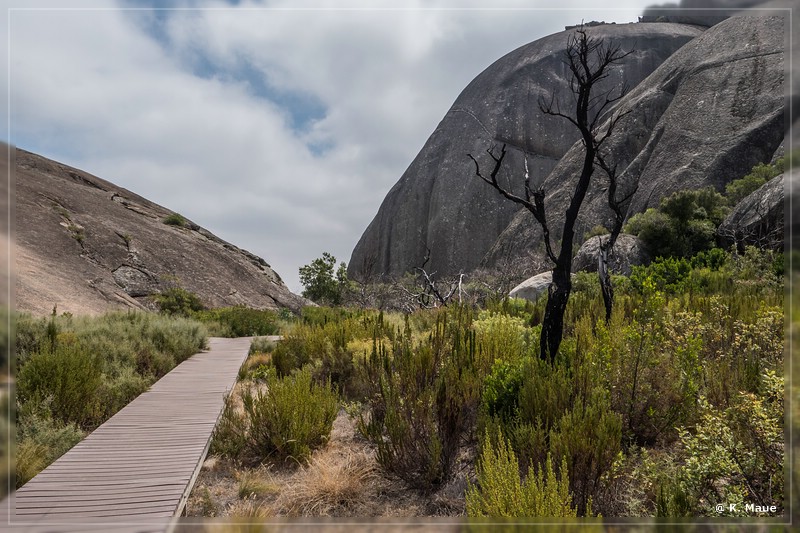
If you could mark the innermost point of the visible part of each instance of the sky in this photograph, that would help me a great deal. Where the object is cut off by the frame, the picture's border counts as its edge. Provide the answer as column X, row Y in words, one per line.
column 277, row 125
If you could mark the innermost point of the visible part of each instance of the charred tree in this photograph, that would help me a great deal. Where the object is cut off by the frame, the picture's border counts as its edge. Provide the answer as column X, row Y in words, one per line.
column 589, row 61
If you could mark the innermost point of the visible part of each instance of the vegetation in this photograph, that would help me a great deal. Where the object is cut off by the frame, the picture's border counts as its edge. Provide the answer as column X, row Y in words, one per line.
column 75, row 373
column 324, row 283
column 683, row 225
column 650, row 413
column 175, row 219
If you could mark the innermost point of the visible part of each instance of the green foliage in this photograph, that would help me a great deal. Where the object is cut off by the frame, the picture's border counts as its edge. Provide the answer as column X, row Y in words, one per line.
column 178, row 301
column 427, row 396
column 230, row 434
column 758, row 176
column 683, row 224
column 501, row 493
column 240, row 321
column 78, row 372
column 735, row 455
column 262, row 345
column 596, row 231
column 175, row 219
column 291, row 417
column 40, row 441
column 323, row 282
column 68, row 374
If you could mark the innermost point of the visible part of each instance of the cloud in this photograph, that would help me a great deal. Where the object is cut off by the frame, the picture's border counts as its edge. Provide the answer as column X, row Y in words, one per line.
column 281, row 130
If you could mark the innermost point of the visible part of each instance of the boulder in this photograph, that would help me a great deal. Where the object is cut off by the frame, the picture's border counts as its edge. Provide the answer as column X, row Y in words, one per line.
column 703, row 118
column 532, row 288
column 629, row 251
column 439, row 204
column 757, row 219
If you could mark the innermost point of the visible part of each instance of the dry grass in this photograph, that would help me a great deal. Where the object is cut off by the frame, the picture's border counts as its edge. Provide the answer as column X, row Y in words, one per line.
column 257, row 359
column 257, row 483
column 335, row 483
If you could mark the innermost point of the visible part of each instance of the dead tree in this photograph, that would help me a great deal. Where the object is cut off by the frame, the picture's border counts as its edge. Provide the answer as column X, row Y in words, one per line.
column 427, row 294
column 588, row 60
column 619, row 206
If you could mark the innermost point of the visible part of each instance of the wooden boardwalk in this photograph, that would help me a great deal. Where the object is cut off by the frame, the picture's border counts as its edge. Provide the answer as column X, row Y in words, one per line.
column 134, row 472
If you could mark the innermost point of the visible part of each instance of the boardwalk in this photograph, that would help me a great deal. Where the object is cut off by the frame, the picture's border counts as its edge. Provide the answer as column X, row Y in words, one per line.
column 135, row 471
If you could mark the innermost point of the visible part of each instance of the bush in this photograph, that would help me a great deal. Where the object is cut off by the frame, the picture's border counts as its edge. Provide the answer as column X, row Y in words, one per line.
column 175, row 219
column 241, row 321
column 684, row 223
column 293, row 416
column 738, row 189
column 427, row 396
column 501, row 493
column 178, row 301
column 230, row 434
column 40, row 442
column 70, row 375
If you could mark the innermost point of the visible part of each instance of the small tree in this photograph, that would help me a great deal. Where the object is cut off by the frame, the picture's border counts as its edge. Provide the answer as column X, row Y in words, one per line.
column 323, row 282
column 588, row 60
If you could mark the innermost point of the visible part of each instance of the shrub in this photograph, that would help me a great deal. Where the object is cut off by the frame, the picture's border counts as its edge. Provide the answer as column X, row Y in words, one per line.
column 70, row 375
column 175, row 219
column 589, row 437
column 683, row 224
column 262, row 345
column 178, row 301
column 40, row 442
column 738, row 189
column 293, row 416
column 501, row 493
column 241, row 321
column 229, row 438
column 427, row 396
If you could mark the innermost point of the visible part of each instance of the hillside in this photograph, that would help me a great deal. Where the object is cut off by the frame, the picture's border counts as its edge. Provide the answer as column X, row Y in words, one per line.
column 87, row 246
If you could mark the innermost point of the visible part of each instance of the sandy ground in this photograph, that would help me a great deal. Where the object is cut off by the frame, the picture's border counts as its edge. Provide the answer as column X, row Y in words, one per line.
column 342, row 479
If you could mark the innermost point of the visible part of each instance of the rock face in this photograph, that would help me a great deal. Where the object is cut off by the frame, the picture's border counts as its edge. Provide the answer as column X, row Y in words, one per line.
column 628, row 251
column 88, row 246
column 757, row 219
column 439, row 203
column 705, row 117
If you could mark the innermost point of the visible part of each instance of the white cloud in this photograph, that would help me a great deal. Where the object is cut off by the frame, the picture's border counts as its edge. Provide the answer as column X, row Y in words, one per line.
column 174, row 106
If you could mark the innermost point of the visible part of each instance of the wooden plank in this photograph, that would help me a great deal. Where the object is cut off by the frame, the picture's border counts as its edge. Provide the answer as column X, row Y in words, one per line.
column 140, row 464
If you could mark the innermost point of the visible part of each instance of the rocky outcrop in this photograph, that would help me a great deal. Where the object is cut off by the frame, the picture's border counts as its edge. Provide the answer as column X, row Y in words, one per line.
column 757, row 219
column 628, row 251
column 708, row 114
column 87, row 246
column 439, row 204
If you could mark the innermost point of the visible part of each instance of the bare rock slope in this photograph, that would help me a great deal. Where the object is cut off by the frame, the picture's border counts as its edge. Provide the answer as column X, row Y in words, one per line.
column 439, row 203
column 88, row 246
column 705, row 117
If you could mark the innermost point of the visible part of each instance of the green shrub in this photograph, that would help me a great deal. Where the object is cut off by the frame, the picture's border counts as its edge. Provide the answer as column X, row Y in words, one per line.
column 230, row 434
column 501, row 493
column 262, row 345
column 738, row 189
column 178, row 301
column 70, row 375
column 293, row 416
column 590, row 437
column 428, row 395
column 40, row 442
column 241, row 321
column 175, row 219
column 684, row 223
